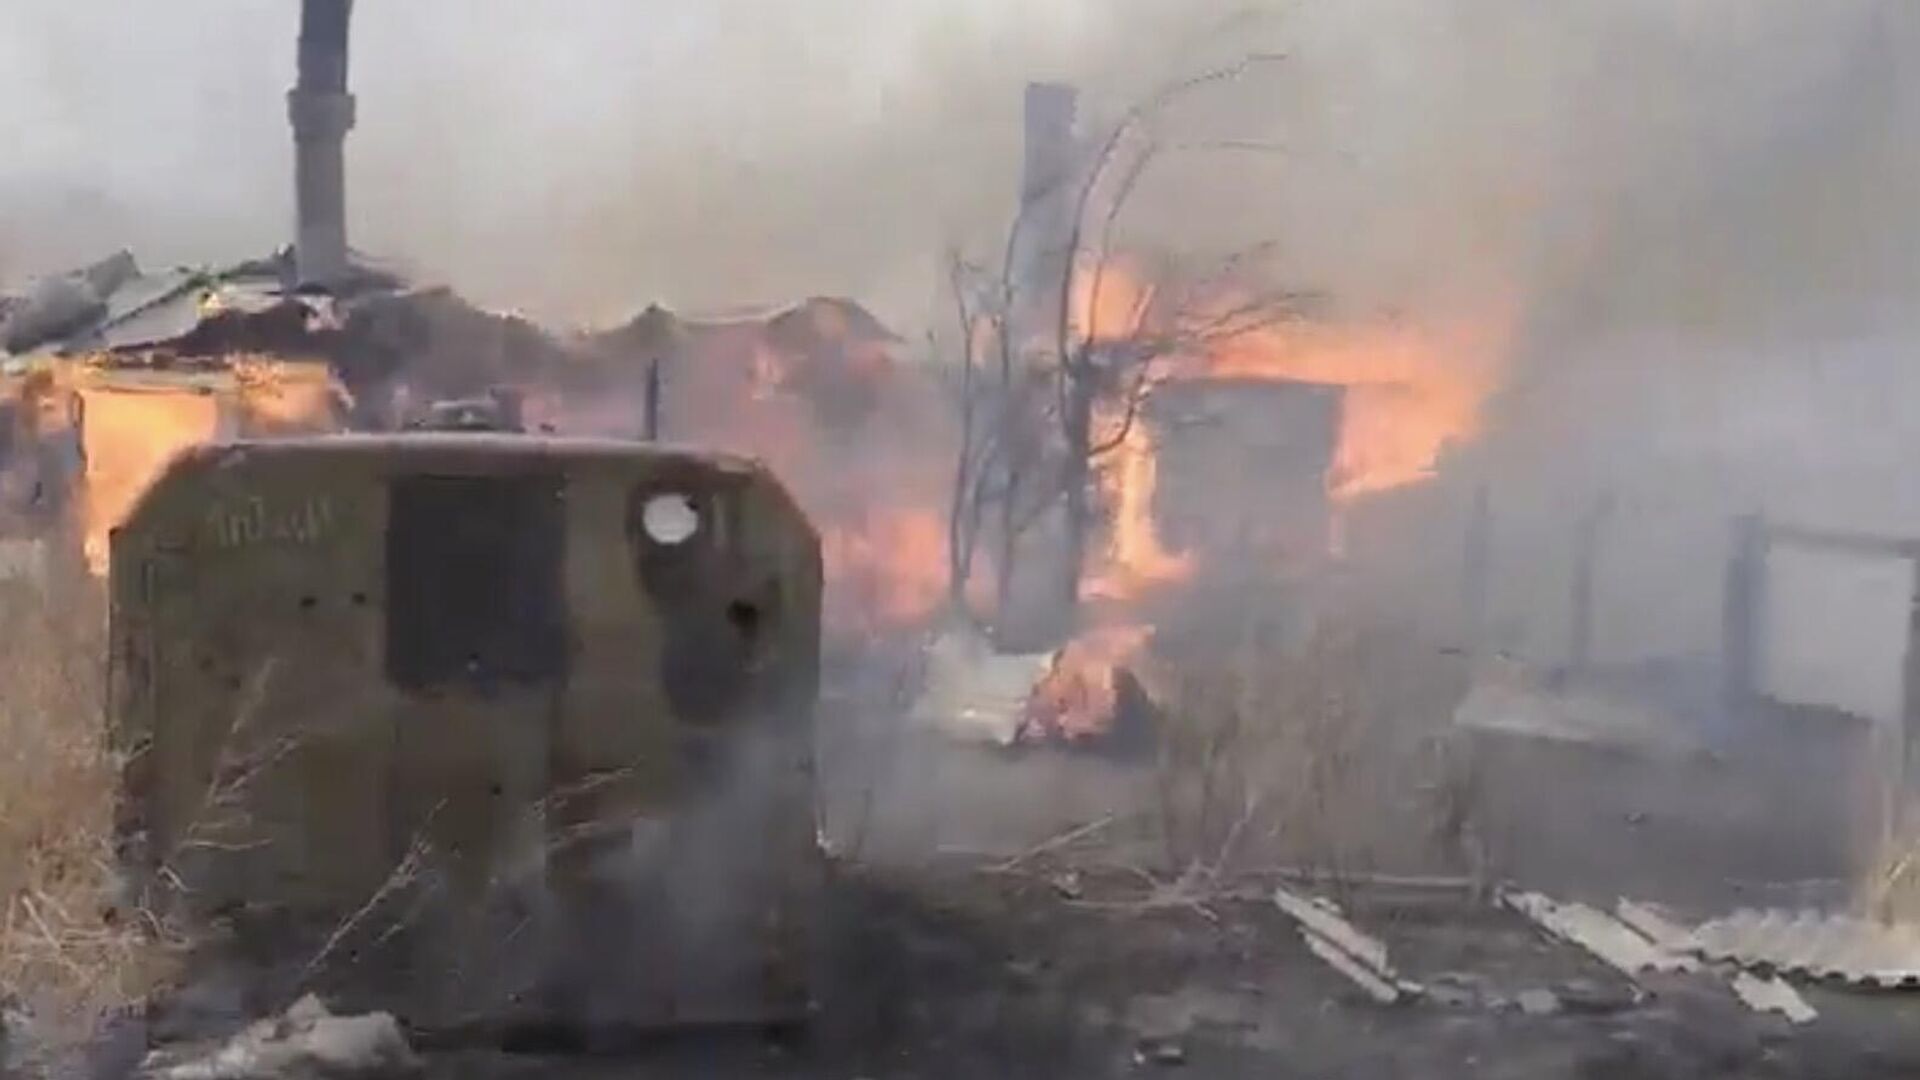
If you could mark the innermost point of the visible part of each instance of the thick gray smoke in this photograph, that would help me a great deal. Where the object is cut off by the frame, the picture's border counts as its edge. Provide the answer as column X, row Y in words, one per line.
column 1679, row 207
column 576, row 158
column 581, row 157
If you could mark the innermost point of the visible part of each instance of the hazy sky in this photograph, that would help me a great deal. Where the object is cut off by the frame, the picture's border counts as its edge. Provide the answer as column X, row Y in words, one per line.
column 573, row 155
column 1592, row 159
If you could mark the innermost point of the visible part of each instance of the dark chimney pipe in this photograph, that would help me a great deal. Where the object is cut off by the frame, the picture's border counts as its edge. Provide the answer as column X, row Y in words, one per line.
column 652, row 422
column 1038, row 256
column 1049, row 158
column 321, row 112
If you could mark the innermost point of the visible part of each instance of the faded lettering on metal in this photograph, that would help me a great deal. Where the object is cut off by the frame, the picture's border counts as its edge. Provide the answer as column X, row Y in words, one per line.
column 253, row 520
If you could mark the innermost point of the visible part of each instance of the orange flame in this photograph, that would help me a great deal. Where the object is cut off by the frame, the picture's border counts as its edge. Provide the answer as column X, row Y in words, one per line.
column 1110, row 302
column 1410, row 393
column 1135, row 560
column 285, row 399
column 890, row 570
column 1078, row 697
column 129, row 438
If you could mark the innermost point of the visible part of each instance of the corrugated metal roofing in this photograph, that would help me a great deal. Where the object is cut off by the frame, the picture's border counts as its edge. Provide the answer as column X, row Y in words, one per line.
column 1815, row 944
column 114, row 306
column 1606, row 937
column 149, row 311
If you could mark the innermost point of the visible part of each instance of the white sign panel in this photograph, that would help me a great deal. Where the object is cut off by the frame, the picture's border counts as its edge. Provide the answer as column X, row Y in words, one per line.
column 1834, row 633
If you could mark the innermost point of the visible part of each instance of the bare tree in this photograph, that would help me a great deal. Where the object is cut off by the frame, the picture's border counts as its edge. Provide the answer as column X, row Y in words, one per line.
column 1028, row 431
column 1006, row 471
column 1092, row 359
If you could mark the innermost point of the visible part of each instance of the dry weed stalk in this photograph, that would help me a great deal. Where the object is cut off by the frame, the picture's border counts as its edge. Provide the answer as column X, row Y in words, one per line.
column 903, row 677
column 222, row 810
column 68, row 957
column 404, row 874
column 418, row 879
column 1268, row 753
column 1891, row 890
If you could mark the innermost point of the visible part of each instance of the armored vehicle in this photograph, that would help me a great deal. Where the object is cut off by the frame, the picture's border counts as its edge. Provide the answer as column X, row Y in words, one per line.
column 478, row 726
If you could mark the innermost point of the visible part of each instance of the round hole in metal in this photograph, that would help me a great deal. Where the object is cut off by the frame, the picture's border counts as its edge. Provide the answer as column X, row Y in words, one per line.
column 669, row 519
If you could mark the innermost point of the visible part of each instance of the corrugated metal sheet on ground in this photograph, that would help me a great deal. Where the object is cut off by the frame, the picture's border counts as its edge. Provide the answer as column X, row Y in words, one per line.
column 1769, row 994
column 1615, row 942
column 1344, row 947
column 1816, row 944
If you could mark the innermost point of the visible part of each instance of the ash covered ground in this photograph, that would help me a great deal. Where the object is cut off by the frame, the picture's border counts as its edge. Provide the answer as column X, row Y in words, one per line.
column 1006, row 912
column 961, row 971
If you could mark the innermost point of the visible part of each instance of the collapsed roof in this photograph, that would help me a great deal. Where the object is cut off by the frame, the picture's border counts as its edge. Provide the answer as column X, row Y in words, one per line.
column 377, row 330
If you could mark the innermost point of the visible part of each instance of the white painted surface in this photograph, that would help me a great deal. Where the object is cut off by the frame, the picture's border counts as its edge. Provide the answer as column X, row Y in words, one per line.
column 1770, row 994
column 975, row 694
column 670, row 519
column 1834, row 630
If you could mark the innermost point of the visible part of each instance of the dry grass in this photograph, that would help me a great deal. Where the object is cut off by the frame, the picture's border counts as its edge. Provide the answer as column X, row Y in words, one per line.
column 67, row 956
column 1316, row 755
column 1891, row 889
column 1259, row 745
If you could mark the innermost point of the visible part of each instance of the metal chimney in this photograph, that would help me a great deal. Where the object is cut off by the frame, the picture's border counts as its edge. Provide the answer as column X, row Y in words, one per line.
column 1050, row 109
column 1047, row 203
column 321, row 112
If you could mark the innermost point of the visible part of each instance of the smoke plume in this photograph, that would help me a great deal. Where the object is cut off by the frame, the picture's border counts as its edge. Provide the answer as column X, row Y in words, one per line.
column 576, row 159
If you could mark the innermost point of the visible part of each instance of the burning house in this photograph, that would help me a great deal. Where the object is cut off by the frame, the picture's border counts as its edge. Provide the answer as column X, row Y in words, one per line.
column 818, row 390
column 1230, row 439
column 110, row 371
column 1243, row 470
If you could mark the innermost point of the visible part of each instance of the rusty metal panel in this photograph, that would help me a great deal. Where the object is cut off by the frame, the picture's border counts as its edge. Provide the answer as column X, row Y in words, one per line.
column 571, row 829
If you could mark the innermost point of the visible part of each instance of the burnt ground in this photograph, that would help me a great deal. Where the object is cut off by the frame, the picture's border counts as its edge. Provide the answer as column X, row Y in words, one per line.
column 946, row 968
column 955, row 970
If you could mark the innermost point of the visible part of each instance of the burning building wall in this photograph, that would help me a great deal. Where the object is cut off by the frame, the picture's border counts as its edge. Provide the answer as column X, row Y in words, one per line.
column 1244, row 469
column 148, row 363
column 819, row 391
column 114, row 373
